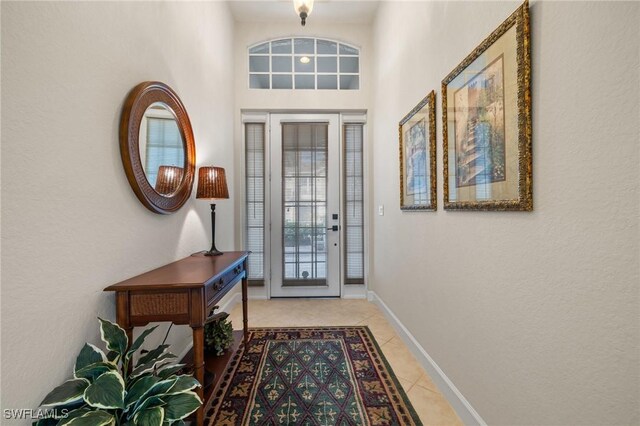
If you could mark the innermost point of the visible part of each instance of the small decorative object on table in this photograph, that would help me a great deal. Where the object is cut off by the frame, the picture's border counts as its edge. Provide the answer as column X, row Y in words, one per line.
column 109, row 389
column 218, row 333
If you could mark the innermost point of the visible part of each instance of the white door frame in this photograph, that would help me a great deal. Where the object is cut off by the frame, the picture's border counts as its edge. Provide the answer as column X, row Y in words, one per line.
column 263, row 116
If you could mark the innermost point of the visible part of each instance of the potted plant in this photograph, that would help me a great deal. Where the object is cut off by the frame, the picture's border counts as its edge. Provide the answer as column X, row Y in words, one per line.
column 110, row 389
column 218, row 333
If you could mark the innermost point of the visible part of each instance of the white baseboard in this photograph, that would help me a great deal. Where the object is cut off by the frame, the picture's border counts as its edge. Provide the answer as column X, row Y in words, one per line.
column 227, row 304
column 348, row 292
column 258, row 297
column 354, row 292
column 462, row 407
column 258, row 293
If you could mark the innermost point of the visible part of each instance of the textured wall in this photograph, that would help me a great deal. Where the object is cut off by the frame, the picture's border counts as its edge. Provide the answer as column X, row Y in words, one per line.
column 71, row 225
column 533, row 316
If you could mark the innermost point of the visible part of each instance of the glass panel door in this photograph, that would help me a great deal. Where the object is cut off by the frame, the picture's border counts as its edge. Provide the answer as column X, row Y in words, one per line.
column 305, row 205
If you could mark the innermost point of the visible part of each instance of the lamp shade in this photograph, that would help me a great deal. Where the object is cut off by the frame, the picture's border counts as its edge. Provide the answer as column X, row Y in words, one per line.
column 168, row 180
column 212, row 183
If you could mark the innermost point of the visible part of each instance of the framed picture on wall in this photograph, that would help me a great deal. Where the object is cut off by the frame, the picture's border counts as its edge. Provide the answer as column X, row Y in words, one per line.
column 417, row 140
column 486, row 117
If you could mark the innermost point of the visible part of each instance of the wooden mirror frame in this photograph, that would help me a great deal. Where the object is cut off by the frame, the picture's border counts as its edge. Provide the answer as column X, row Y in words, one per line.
column 138, row 100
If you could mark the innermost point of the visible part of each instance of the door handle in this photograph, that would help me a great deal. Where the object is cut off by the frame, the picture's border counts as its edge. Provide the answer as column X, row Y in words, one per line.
column 333, row 228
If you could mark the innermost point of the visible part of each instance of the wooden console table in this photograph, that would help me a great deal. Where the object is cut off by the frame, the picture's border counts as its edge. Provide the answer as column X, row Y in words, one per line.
column 184, row 292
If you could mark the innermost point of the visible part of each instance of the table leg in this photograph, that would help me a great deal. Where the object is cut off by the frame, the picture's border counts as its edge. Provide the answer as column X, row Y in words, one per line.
column 198, row 368
column 122, row 318
column 245, row 314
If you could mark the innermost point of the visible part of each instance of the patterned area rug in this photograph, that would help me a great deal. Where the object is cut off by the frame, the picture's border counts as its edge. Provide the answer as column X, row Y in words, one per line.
column 310, row 376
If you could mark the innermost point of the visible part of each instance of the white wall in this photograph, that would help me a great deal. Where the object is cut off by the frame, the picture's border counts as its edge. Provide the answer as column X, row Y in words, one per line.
column 71, row 225
column 249, row 33
column 533, row 316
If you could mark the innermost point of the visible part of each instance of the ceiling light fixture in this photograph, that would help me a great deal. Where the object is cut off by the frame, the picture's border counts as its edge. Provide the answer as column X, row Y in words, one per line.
column 305, row 60
column 303, row 9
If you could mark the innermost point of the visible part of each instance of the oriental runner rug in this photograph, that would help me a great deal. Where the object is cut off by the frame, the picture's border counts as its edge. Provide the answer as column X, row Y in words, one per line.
column 310, row 376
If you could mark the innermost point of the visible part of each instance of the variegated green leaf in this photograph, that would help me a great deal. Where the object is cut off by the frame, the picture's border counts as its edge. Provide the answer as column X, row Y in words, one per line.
column 156, row 389
column 150, row 417
column 93, row 418
column 161, row 365
column 93, row 371
column 183, row 384
column 148, row 403
column 151, row 364
column 170, row 371
column 113, row 356
column 132, row 381
column 106, row 392
column 114, row 336
column 60, row 411
column 73, row 414
column 152, row 355
column 67, row 393
column 180, row 405
column 138, row 389
column 137, row 344
column 89, row 354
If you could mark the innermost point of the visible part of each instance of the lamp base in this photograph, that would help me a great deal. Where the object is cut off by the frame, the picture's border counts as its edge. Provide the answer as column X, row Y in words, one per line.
column 213, row 251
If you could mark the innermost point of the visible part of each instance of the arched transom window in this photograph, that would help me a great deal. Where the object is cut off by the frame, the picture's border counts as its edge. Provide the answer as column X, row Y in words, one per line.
column 304, row 63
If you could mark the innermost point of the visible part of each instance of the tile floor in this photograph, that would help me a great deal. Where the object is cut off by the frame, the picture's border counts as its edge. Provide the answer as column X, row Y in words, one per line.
column 430, row 405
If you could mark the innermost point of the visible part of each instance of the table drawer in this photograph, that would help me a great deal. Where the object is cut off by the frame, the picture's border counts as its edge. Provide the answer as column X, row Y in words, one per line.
column 221, row 285
column 149, row 306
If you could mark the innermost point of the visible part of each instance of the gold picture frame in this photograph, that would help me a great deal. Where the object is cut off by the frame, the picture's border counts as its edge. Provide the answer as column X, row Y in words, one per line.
column 417, row 143
column 486, row 123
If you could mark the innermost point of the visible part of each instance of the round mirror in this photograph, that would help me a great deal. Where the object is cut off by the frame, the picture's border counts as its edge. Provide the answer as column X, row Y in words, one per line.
column 157, row 147
column 162, row 151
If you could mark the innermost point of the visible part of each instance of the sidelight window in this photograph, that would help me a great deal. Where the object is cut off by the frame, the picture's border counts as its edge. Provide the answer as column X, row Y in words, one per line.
column 255, row 201
column 353, row 204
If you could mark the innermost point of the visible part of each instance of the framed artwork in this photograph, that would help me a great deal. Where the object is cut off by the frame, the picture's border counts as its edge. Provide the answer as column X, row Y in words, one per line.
column 417, row 140
column 486, row 118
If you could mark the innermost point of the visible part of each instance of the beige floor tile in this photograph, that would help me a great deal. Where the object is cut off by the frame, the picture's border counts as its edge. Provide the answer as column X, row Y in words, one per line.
column 380, row 328
column 402, row 362
column 426, row 382
column 406, row 385
column 432, row 407
column 235, row 316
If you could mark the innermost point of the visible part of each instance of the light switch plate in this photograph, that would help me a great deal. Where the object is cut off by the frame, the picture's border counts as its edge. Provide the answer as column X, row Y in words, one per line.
column 381, row 210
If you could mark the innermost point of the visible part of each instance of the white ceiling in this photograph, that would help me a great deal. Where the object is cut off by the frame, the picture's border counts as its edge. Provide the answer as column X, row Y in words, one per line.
column 324, row 11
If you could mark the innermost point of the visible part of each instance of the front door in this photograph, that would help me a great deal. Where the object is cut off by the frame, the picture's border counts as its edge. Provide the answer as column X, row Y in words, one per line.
column 305, row 203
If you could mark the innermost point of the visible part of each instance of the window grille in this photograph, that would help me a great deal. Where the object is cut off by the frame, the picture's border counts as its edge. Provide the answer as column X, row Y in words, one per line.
column 164, row 147
column 304, row 203
column 255, row 181
column 304, row 63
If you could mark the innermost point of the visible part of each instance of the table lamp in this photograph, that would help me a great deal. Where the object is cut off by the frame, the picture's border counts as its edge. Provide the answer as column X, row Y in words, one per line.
column 212, row 185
